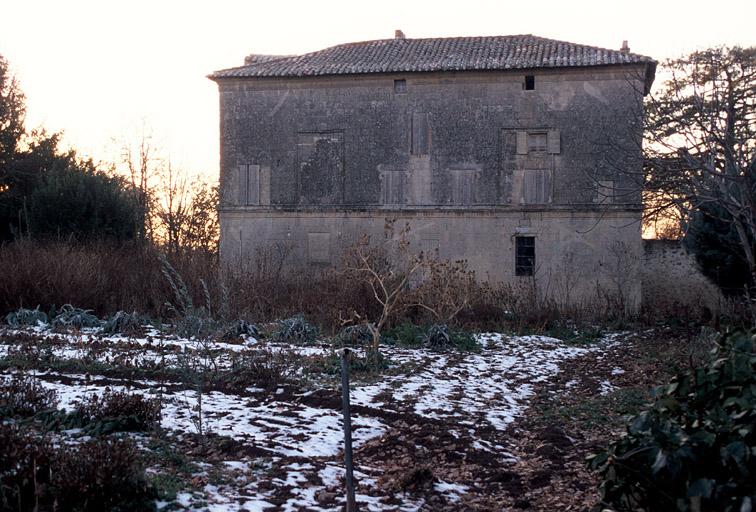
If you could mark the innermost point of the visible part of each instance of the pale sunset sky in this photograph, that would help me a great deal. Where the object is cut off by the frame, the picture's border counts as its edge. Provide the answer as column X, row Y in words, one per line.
column 101, row 70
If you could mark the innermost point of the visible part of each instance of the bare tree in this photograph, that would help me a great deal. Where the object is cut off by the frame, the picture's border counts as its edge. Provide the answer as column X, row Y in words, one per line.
column 176, row 212
column 700, row 141
column 171, row 208
column 186, row 213
column 387, row 268
column 140, row 163
column 202, row 230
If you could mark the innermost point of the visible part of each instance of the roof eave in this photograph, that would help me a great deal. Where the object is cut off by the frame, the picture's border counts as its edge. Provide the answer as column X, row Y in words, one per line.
column 648, row 66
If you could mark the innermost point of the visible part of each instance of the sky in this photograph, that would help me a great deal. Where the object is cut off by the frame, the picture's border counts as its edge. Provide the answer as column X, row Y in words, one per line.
column 104, row 72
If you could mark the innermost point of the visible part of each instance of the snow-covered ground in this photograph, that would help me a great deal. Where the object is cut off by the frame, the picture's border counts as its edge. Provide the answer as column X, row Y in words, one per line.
column 296, row 428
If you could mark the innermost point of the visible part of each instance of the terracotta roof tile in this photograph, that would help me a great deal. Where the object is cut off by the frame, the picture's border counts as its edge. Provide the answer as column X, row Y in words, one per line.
column 438, row 54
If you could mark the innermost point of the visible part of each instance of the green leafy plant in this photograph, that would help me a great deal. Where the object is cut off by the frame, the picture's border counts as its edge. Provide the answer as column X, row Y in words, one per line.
column 124, row 323
column 354, row 335
column 695, row 447
column 330, row 363
column 25, row 318
column 406, row 335
column 296, row 330
column 236, row 330
column 70, row 316
column 441, row 337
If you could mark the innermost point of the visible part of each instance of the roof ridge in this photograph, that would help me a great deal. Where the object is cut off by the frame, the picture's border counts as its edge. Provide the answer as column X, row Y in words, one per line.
column 592, row 47
column 458, row 53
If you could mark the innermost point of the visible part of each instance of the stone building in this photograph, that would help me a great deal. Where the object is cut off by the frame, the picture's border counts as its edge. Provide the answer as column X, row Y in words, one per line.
column 515, row 153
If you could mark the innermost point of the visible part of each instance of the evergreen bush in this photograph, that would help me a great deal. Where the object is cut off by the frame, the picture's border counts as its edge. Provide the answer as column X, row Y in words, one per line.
column 694, row 449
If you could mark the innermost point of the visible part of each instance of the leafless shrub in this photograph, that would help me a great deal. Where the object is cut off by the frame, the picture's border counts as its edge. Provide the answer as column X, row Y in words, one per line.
column 92, row 476
column 262, row 367
column 386, row 268
column 125, row 411
column 25, row 396
column 447, row 288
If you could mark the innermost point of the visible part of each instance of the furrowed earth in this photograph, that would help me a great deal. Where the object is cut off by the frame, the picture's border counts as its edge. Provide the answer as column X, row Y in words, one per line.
column 505, row 428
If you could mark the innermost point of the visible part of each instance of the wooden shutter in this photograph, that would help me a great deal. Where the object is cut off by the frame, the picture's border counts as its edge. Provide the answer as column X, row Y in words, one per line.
column 463, row 186
column 392, row 187
column 554, row 143
column 536, row 187
column 522, row 143
column 242, row 185
column 420, row 133
column 253, row 184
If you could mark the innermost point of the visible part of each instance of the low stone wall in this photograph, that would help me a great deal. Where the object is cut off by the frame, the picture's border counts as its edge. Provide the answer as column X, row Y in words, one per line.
column 672, row 281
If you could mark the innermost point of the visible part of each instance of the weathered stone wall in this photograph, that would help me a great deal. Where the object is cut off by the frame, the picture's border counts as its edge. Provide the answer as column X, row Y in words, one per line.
column 576, row 254
column 471, row 160
column 450, row 138
column 672, row 280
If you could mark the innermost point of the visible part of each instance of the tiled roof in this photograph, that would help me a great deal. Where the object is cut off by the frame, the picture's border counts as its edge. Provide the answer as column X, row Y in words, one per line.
column 440, row 54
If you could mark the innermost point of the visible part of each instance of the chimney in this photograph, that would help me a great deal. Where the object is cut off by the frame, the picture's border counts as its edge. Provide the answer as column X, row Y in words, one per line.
column 398, row 34
column 625, row 48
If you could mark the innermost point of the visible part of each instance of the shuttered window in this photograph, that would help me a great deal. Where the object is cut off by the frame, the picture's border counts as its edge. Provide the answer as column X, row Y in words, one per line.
column 392, row 187
column 420, row 134
column 249, row 185
column 463, row 186
column 536, row 186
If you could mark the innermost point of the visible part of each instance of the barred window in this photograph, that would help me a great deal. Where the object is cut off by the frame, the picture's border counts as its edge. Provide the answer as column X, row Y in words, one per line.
column 524, row 255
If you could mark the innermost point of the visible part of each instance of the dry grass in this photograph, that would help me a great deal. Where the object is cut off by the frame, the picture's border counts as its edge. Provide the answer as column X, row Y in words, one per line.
column 107, row 278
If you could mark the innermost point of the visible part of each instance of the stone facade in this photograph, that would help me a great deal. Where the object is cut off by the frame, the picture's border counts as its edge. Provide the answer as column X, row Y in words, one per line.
column 472, row 160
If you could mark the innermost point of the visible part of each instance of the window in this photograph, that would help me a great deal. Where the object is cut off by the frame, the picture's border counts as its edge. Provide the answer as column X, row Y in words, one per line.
column 392, row 186
column 400, row 86
column 529, row 84
column 319, row 247
column 321, row 167
column 420, row 133
column 249, row 184
column 605, row 192
column 536, row 186
column 537, row 143
column 524, row 255
column 463, row 186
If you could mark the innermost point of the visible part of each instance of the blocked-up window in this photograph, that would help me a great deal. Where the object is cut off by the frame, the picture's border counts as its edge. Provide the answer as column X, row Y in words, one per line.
column 319, row 247
column 249, row 184
column 321, row 167
column 536, row 186
column 463, row 186
column 605, row 192
column 524, row 255
column 393, row 187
